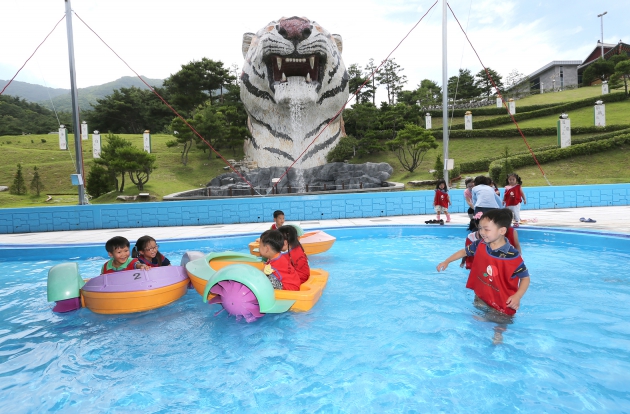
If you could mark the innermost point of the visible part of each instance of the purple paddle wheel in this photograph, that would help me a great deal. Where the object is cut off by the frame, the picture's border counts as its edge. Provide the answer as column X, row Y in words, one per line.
column 237, row 299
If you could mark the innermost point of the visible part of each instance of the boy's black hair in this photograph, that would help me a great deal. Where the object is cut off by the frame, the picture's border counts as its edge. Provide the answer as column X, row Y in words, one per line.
column 141, row 243
column 502, row 217
column 273, row 239
column 278, row 213
column 518, row 179
column 468, row 180
column 290, row 234
column 441, row 181
column 117, row 242
column 481, row 179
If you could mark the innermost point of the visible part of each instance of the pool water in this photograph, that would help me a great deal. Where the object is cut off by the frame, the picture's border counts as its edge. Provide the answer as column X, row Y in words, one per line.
column 390, row 334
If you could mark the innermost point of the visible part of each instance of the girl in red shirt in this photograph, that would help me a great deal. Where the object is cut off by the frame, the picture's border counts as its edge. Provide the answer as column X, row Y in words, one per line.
column 441, row 201
column 296, row 252
column 514, row 195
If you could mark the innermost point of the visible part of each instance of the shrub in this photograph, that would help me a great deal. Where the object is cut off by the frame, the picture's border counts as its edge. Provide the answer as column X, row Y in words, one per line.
column 43, row 141
column 99, row 181
column 18, row 187
column 172, row 143
column 438, row 174
column 344, row 150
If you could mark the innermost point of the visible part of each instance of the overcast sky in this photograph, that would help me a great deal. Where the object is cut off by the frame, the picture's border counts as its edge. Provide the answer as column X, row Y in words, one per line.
column 156, row 37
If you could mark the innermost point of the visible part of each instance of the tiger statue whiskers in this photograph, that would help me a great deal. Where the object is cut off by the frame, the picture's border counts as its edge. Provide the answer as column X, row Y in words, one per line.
column 293, row 84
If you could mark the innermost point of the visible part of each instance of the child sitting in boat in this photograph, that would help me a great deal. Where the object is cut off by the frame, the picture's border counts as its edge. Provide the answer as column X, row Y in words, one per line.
column 278, row 219
column 296, row 252
column 498, row 276
column 278, row 267
column 120, row 259
column 146, row 250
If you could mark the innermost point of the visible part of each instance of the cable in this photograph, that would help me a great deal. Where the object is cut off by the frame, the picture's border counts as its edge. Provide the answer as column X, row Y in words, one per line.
column 500, row 96
column 16, row 73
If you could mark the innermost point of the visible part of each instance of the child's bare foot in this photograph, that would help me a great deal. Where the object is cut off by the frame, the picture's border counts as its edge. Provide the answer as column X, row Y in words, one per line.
column 497, row 338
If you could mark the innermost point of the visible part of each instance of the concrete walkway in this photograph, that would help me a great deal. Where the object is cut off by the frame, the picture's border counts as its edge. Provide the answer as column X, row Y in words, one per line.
column 608, row 219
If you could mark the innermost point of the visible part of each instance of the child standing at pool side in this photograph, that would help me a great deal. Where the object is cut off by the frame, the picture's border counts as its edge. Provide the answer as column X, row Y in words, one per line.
column 146, row 250
column 296, row 252
column 514, row 195
column 120, row 258
column 278, row 267
column 278, row 219
column 498, row 276
column 441, row 201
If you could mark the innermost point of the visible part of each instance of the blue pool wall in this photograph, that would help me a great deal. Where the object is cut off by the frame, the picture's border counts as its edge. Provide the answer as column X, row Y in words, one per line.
column 296, row 208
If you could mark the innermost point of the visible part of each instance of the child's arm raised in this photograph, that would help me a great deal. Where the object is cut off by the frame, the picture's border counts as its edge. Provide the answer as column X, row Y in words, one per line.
column 457, row 255
column 514, row 301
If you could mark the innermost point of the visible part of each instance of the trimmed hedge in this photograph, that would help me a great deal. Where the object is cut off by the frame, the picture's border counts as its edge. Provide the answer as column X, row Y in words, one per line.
column 554, row 110
column 484, row 163
column 556, row 154
column 489, row 111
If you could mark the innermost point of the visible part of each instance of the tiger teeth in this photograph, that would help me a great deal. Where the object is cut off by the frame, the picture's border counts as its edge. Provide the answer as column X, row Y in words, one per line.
column 284, row 78
column 312, row 61
column 308, row 77
column 279, row 62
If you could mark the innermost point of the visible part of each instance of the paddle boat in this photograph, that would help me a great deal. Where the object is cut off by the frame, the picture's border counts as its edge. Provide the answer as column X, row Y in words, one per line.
column 237, row 282
column 127, row 291
column 313, row 242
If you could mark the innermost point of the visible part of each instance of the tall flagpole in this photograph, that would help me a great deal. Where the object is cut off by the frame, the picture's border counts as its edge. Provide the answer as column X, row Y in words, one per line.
column 76, row 126
column 444, row 94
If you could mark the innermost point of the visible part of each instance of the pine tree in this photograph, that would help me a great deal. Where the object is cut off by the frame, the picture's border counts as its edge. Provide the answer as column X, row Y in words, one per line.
column 438, row 174
column 506, row 169
column 36, row 182
column 18, row 186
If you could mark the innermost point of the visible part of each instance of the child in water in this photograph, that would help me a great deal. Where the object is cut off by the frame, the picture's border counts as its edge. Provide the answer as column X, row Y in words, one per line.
column 146, row 250
column 441, row 201
column 278, row 267
column 118, row 251
column 278, row 219
column 498, row 276
column 514, row 195
column 296, row 252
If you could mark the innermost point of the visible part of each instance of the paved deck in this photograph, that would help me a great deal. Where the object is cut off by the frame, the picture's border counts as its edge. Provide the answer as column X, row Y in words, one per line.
column 608, row 219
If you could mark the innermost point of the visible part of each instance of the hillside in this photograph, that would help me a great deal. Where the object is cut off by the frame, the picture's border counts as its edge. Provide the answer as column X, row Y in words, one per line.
column 61, row 98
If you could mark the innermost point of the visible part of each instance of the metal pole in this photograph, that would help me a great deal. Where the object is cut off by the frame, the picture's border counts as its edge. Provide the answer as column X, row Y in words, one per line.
column 601, row 18
column 76, row 125
column 444, row 93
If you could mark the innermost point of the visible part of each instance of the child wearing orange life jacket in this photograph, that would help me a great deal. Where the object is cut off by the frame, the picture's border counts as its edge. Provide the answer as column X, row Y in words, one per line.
column 278, row 267
column 514, row 195
column 441, row 201
column 296, row 252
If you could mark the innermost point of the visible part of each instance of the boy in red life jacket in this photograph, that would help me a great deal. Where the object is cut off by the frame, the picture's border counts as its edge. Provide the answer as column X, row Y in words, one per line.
column 278, row 219
column 296, row 252
column 278, row 267
column 498, row 276
column 511, row 236
column 118, row 250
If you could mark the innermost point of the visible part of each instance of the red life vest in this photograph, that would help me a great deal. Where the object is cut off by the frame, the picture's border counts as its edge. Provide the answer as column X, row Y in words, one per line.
column 491, row 278
column 440, row 199
column 285, row 272
column 513, row 196
column 300, row 263
column 509, row 235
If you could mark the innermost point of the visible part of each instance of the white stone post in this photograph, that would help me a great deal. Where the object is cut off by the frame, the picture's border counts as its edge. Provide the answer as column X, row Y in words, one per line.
column 147, row 141
column 605, row 88
column 468, row 121
column 84, row 131
column 600, row 114
column 499, row 102
column 96, row 144
column 564, row 131
column 512, row 105
column 542, row 88
column 63, row 138
column 427, row 121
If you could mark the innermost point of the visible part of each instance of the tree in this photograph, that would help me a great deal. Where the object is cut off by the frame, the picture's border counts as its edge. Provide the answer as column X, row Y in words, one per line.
column 344, row 150
column 411, row 145
column 371, row 85
column 362, row 121
column 138, row 164
column 129, row 110
column 599, row 69
column 438, row 168
column 462, row 86
column 485, row 85
column 110, row 160
column 428, row 93
column 36, row 182
column 357, row 79
column 184, row 135
column 193, row 84
column 18, row 187
column 622, row 72
column 390, row 77
column 99, row 181
column 506, row 168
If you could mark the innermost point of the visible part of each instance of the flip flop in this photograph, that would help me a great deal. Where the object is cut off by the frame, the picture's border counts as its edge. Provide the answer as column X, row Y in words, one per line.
column 582, row 219
column 590, row 220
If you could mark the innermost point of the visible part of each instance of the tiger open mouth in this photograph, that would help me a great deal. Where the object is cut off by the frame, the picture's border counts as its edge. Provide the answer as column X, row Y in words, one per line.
column 310, row 67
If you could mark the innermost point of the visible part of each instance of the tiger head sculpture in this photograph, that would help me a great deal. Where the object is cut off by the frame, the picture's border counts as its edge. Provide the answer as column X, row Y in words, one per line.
column 293, row 84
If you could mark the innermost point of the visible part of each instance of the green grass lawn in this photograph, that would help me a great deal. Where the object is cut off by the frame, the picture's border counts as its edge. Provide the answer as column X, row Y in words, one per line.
column 564, row 96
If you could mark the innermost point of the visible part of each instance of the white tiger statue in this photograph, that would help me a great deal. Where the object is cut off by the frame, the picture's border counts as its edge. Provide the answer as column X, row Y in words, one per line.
column 293, row 83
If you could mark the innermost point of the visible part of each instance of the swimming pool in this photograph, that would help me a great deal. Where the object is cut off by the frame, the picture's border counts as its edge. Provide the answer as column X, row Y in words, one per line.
column 389, row 334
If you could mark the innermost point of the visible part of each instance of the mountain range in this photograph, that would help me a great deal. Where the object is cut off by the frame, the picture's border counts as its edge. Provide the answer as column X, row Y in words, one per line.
column 61, row 98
